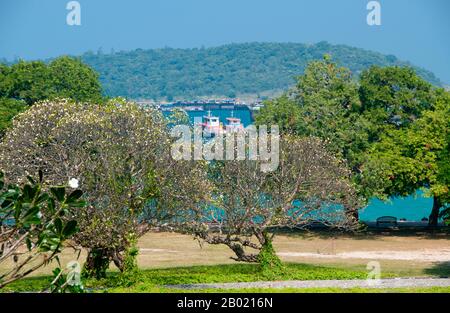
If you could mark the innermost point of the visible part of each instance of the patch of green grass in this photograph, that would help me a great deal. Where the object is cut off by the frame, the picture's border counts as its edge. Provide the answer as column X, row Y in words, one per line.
column 201, row 274
column 246, row 273
column 333, row 290
column 36, row 284
column 155, row 279
column 147, row 288
column 439, row 270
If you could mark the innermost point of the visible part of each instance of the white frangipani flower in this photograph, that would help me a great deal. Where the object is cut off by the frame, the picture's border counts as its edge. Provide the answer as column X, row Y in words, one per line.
column 73, row 183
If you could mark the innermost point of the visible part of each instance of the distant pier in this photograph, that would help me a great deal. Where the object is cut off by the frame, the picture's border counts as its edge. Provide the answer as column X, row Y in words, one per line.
column 207, row 105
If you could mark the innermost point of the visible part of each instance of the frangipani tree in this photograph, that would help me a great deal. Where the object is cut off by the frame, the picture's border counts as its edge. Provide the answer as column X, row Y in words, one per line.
column 309, row 185
column 120, row 154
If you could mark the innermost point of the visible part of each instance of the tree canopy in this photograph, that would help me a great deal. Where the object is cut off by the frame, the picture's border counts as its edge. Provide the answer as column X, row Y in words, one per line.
column 417, row 156
column 391, row 126
column 325, row 104
column 394, row 96
column 25, row 83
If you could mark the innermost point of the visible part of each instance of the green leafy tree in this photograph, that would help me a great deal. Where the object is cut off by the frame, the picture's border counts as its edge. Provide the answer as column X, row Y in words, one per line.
column 72, row 79
column 5, row 80
column 393, row 97
column 328, row 104
column 325, row 104
column 29, row 81
column 417, row 157
column 9, row 108
column 25, row 83
column 64, row 77
column 444, row 177
column 282, row 111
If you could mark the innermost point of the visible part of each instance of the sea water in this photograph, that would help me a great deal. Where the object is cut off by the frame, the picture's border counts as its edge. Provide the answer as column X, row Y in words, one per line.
column 222, row 114
column 412, row 208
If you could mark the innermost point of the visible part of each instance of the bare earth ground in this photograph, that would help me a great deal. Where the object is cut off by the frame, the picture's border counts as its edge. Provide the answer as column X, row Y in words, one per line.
column 404, row 255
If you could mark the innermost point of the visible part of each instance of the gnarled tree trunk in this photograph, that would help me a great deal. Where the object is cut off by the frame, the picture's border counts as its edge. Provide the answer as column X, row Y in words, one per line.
column 352, row 214
column 434, row 216
column 98, row 260
column 241, row 256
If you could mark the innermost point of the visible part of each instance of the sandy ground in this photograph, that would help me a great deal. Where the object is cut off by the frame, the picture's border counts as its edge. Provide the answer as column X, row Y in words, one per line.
column 401, row 248
column 406, row 255
column 437, row 255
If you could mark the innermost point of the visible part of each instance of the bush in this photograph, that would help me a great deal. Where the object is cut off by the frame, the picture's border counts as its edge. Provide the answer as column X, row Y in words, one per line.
column 120, row 153
column 34, row 225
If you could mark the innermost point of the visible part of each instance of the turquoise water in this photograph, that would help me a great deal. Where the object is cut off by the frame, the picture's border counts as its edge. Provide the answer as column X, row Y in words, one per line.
column 412, row 208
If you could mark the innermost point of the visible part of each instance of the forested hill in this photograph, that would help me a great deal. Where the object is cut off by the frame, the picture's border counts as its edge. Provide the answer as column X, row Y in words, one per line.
column 230, row 70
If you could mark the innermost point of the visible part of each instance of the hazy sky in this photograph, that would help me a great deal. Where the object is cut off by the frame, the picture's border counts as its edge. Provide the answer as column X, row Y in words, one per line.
column 414, row 30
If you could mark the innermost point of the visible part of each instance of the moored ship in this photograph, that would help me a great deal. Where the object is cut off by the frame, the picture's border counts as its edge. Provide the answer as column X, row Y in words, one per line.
column 212, row 126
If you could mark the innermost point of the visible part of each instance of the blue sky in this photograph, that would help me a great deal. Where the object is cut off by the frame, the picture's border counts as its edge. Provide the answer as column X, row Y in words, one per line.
column 413, row 30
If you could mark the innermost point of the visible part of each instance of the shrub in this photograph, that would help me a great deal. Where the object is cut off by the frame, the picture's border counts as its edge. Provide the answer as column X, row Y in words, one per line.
column 34, row 225
column 310, row 185
column 120, row 153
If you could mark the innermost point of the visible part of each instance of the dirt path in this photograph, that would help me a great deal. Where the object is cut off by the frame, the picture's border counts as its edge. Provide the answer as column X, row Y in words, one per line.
column 382, row 283
column 424, row 255
column 407, row 255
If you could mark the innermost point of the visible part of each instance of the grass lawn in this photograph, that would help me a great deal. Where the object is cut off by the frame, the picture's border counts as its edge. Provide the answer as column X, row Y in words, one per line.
column 170, row 259
column 155, row 289
column 153, row 280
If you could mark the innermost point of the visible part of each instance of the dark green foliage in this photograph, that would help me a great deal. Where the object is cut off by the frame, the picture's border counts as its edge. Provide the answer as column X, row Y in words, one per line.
column 391, row 127
column 30, row 208
column 97, row 263
column 60, row 283
column 229, row 70
column 64, row 77
column 27, row 81
column 24, row 83
column 418, row 156
column 131, row 273
column 269, row 262
column 40, row 220
column 8, row 109
column 394, row 95
column 71, row 78
column 280, row 111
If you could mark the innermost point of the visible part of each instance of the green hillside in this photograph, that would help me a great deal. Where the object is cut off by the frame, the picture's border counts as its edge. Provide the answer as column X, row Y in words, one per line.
column 230, row 70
